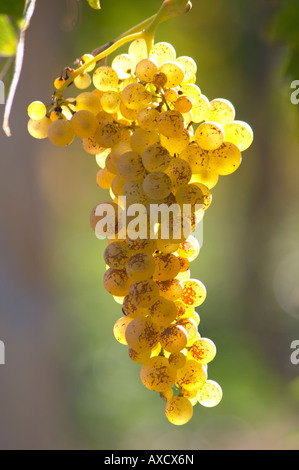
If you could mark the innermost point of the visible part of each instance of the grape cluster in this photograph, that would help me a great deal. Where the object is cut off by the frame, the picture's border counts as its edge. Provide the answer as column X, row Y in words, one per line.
column 157, row 139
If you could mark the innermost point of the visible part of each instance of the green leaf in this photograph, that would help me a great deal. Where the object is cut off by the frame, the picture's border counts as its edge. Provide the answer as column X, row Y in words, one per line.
column 12, row 7
column 95, row 4
column 8, row 37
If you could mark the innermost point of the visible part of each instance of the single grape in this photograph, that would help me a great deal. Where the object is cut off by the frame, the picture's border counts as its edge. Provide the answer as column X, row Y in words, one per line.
column 174, row 338
column 210, row 394
column 119, row 329
column 139, row 357
column 191, row 376
column 146, row 70
column 36, row 110
column 194, row 293
column 39, row 129
column 139, row 245
column 175, row 145
column 141, row 139
column 82, row 81
column 171, row 123
column 177, row 360
column 123, row 65
column 130, row 310
column 130, row 166
column 171, row 289
column 163, row 312
column 157, row 375
column 110, row 101
column 142, row 334
column 144, row 293
column 183, row 104
column 107, row 134
column 203, row 351
column 196, row 157
column 226, row 159
column 190, row 67
column 201, row 109
column 105, row 78
column 162, row 52
column 174, row 72
column 167, row 266
column 138, row 50
column 134, row 194
column 140, row 267
column 135, row 96
column 179, row 410
column 240, row 134
column 87, row 58
column 221, row 111
column 156, row 158
column 61, row 133
column 104, row 178
column 84, row 123
column 117, row 254
column 179, row 172
column 209, row 135
column 189, row 249
column 157, row 185
column 117, row 282
column 148, row 119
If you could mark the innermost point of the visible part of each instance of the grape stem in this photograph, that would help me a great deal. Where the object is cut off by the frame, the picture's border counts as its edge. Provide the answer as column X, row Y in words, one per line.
column 145, row 30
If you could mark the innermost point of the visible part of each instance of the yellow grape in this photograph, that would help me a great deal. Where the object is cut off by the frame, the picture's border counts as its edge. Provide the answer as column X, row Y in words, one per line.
column 117, row 185
column 134, row 194
column 123, row 65
column 191, row 376
column 167, row 266
column 135, row 96
column 87, row 58
column 104, row 178
column 141, row 139
column 82, row 81
column 175, row 145
column 221, row 111
column 140, row 267
column 174, row 338
column 162, row 52
column 174, row 72
column 203, row 351
column 148, row 119
column 110, row 101
column 167, row 395
column 156, row 158
column 146, row 70
column 209, row 135
column 144, row 293
column 179, row 410
column 171, row 123
column 196, row 157
column 117, row 254
column 139, row 245
column 240, row 134
column 130, row 166
column 139, row 356
column 157, row 374
column 107, row 135
column 117, row 282
column 105, row 78
column 88, row 101
column 171, row 95
column 130, row 310
column 183, row 104
column 177, row 360
column 189, row 249
column 194, row 293
column 39, row 129
column 138, row 50
column 157, row 185
column 201, row 109
column 36, row 110
column 179, row 172
column 119, row 329
column 84, row 123
column 61, row 132
column 210, row 394
column 142, row 334
column 208, row 177
column 189, row 66
column 101, row 157
column 226, row 159
column 163, row 312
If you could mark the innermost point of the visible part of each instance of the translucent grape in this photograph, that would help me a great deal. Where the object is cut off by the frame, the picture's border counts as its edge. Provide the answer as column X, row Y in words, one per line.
column 209, row 135
column 61, row 132
column 117, row 185
column 141, row 139
column 173, row 338
column 157, row 185
column 36, row 110
column 139, row 356
column 189, row 65
column 177, row 360
column 192, row 195
column 157, row 375
column 163, row 312
column 128, row 114
column 208, row 177
column 201, row 109
column 148, row 119
column 85, row 59
column 195, row 156
column 174, row 72
column 139, row 245
column 171, row 289
column 142, row 334
column 210, row 394
column 110, row 101
column 156, row 158
column 39, row 129
column 226, row 159
column 171, row 95
column 162, row 52
column 104, row 178
column 105, row 78
column 179, row 410
column 117, row 282
column 84, row 123
column 183, row 104
column 191, row 376
column 194, row 293
column 101, row 157
column 140, row 267
column 166, row 246
column 192, row 91
column 144, row 293
column 130, row 166
column 175, row 145
column 91, row 146
column 138, row 50
column 159, row 80
column 117, row 254
column 221, row 111
column 119, row 329
column 240, row 134
column 123, row 65
column 189, row 249
column 107, row 135
column 203, row 351
column 146, row 70
column 171, row 123
column 179, row 172
column 167, row 395
column 135, row 96
column 167, row 266
column 82, row 81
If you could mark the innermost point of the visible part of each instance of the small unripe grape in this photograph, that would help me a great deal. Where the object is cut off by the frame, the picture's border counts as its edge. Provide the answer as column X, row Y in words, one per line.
column 58, row 82
column 36, row 110
column 39, row 129
column 84, row 123
column 82, row 81
column 157, row 374
column 209, row 135
column 86, row 58
column 61, row 133
column 105, row 78
column 146, row 70
column 179, row 410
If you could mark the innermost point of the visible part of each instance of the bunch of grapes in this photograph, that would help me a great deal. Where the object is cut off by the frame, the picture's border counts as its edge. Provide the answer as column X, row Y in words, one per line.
column 158, row 140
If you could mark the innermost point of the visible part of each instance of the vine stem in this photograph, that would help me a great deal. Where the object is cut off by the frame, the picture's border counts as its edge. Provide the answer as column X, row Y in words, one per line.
column 145, row 30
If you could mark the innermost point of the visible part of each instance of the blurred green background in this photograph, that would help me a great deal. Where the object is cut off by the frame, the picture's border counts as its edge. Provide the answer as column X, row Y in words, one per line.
column 67, row 383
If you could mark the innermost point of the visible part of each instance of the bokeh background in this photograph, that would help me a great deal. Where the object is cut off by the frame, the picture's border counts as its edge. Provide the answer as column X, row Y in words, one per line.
column 67, row 384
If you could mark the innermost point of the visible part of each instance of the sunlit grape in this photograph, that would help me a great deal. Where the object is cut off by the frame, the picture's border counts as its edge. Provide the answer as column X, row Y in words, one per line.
column 174, row 338
column 140, row 267
column 142, row 334
column 61, row 133
column 191, row 376
column 105, row 78
column 221, row 111
column 119, row 329
column 117, row 282
column 84, row 123
column 226, row 159
column 162, row 52
column 163, row 312
column 117, row 254
column 157, row 374
column 144, row 293
column 36, row 110
column 146, row 70
column 240, row 134
column 203, row 351
column 209, row 135
column 194, row 293
column 156, row 158
column 39, row 129
column 179, row 410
